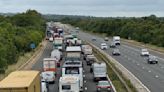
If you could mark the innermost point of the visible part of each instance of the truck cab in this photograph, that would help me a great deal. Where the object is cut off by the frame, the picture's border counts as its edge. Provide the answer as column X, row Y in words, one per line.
column 116, row 40
column 69, row 83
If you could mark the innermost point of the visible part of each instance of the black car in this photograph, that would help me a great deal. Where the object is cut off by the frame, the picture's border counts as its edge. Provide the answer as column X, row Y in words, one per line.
column 152, row 60
column 112, row 45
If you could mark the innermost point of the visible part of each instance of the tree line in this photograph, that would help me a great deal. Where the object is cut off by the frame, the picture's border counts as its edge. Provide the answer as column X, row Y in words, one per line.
column 149, row 29
column 17, row 33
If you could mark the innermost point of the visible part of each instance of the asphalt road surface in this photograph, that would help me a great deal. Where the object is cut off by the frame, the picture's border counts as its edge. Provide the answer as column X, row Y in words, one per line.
column 151, row 75
column 89, row 85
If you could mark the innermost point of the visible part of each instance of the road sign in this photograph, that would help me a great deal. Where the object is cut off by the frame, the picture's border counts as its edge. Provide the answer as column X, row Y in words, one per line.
column 32, row 46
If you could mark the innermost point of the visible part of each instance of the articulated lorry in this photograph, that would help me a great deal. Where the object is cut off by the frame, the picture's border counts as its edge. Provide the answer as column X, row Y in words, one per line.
column 21, row 81
column 49, row 64
column 116, row 40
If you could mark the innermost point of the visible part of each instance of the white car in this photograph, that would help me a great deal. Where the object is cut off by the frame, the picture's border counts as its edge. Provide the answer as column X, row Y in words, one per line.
column 44, row 86
column 48, row 76
column 144, row 52
column 51, row 39
column 104, row 46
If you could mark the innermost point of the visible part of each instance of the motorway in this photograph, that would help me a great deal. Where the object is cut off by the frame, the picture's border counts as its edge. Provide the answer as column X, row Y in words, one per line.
column 151, row 76
column 89, row 85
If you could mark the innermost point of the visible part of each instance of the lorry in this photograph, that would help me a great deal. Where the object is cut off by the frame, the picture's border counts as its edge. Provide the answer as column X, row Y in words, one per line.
column 73, row 52
column 90, row 59
column 86, row 50
column 69, row 83
column 73, row 67
column 99, row 71
column 116, row 40
column 58, row 43
column 21, row 81
column 49, row 64
column 58, row 55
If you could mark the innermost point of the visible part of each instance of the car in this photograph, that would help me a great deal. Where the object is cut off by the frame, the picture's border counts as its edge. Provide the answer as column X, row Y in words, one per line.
column 112, row 45
column 144, row 52
column 152, row 60
column 93, row 39
column 106, row 39
column 116, row 52
column 51, row 39
column 44, row 86
column 103, row 86
column 104, row 46
column 48, row 76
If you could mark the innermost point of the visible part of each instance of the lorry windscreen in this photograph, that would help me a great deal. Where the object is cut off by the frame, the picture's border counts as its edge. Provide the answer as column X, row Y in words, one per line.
column 72, row 70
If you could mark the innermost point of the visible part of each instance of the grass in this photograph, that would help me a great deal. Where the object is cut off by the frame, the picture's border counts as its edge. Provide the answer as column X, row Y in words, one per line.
column 13, row 67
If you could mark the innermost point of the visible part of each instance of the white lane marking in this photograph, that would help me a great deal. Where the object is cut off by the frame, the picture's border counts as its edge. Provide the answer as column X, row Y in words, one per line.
column 143, row 67
column 138, row 64
column 85, row 81
column 149, row 71
column 162, row 67
column 85, row 88
column 83, row 75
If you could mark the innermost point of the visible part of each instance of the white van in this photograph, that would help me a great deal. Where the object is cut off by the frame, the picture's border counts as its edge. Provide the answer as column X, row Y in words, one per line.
column 48, row 76
column 99, row 71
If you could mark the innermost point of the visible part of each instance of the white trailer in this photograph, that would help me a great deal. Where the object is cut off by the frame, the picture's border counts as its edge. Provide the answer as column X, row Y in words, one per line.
column 69, row 84
column 57, row 55
column 99, row 71
column 58, row 43
column 116, row 40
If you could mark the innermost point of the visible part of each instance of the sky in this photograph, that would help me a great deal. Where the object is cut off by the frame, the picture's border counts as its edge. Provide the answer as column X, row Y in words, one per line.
column 99, row 8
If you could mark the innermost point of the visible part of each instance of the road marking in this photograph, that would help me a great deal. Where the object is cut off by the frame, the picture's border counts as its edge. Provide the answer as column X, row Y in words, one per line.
column 162, row 67
column 143, row 67
column 149, row 71
column 138, row 64
column 85, row 81
column 83, row 75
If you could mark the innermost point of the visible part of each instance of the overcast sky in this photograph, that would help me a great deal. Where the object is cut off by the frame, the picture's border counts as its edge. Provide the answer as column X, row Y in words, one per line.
column 87, row 7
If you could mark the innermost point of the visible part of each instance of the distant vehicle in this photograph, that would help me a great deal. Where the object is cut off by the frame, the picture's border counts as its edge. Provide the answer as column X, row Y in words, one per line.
column 116, row 52
column 69, row 83
column 58, row 43
column 152, row 60
column 21, row 81
column 57, row 55
column 48, row 76
column 144, row 52
column 112, row 45
column 93, row 39
column 90, row 59
column 51, row 39
column 104, row 46
column 99, row 71
column 106, row 39
column 103, row 86
column 44, row 87
column 116, row 40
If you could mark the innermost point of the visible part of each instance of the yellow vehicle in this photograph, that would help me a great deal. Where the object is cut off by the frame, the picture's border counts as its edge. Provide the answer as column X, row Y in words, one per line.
column 21, row 81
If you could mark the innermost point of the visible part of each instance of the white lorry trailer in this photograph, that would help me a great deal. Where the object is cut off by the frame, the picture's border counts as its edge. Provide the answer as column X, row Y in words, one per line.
column 116, row 40
column 99, row 71
column 69, row 83
column 86, row 50
column 58, row 43
column 57, row 55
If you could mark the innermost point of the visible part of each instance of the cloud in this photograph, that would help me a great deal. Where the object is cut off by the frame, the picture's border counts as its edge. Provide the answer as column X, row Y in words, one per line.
column 87, row 7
